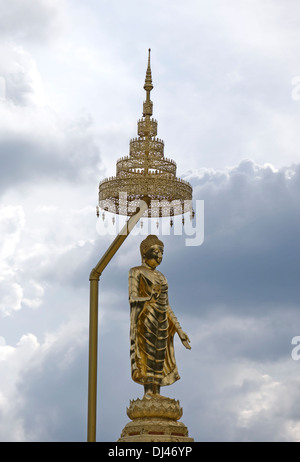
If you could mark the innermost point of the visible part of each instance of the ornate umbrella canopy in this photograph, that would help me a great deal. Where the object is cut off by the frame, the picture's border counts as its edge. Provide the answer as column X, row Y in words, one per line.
column 146, row 174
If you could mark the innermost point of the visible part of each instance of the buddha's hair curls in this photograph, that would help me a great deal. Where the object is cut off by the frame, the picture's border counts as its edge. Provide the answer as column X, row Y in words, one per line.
column 147, row 243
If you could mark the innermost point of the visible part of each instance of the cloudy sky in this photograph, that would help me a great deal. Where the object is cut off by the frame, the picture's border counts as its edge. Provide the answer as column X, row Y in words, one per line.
column 227, row 99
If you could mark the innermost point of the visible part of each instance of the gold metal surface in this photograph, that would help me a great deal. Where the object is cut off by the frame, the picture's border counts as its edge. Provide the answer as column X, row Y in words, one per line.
column 146, row 172
column 163, row 407
column 152, row 322
column 93, row 328
column 151, row 189
column 155, row 420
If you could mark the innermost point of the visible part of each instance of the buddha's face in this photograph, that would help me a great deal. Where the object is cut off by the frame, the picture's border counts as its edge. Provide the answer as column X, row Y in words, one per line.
column 154, row 256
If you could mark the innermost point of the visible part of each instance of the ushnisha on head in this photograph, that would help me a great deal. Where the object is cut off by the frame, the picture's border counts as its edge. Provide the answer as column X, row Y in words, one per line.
column 152, row 251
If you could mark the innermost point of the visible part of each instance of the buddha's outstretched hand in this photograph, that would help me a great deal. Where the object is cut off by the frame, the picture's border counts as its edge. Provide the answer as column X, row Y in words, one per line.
column 184, row 339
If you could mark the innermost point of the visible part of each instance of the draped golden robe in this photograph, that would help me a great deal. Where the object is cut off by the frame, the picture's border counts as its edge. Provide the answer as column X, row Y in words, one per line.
column 152, row 328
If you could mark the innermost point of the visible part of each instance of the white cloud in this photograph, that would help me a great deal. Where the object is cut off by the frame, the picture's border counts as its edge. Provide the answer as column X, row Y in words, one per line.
column 23, row 83
column 12, row 222
column 13, row 360
column 11, row 297
column 33, row 295
column 32, row 19
column 24, row 367
column 36, row 143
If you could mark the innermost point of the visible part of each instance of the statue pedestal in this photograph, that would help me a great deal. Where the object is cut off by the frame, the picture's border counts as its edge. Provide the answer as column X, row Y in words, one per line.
column 155, row 419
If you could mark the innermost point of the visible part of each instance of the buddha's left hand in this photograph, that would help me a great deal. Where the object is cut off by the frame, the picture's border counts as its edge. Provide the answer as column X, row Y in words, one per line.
column 184, row 339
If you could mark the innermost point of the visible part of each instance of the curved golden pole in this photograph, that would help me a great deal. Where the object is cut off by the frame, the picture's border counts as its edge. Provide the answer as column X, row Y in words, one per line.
column 93, row 328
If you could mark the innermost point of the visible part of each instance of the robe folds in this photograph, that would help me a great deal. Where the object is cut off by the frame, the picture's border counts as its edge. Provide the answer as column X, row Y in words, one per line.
column 152, row 328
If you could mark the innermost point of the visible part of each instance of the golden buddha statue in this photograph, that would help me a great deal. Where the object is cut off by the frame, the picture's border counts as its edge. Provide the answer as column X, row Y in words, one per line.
column 152, row 322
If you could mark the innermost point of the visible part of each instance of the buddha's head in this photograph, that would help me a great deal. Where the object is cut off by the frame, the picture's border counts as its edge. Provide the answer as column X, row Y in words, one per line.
column 152, row 250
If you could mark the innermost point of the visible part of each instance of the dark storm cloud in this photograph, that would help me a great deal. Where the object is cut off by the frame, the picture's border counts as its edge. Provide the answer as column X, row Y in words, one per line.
column 257, row 409
column 249, row 260
column 49, row 382
column 36, row 142
column 250, row 254
column 37, row 153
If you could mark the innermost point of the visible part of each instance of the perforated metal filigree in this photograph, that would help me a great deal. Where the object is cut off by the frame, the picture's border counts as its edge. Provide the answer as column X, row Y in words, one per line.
column 146, row 173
